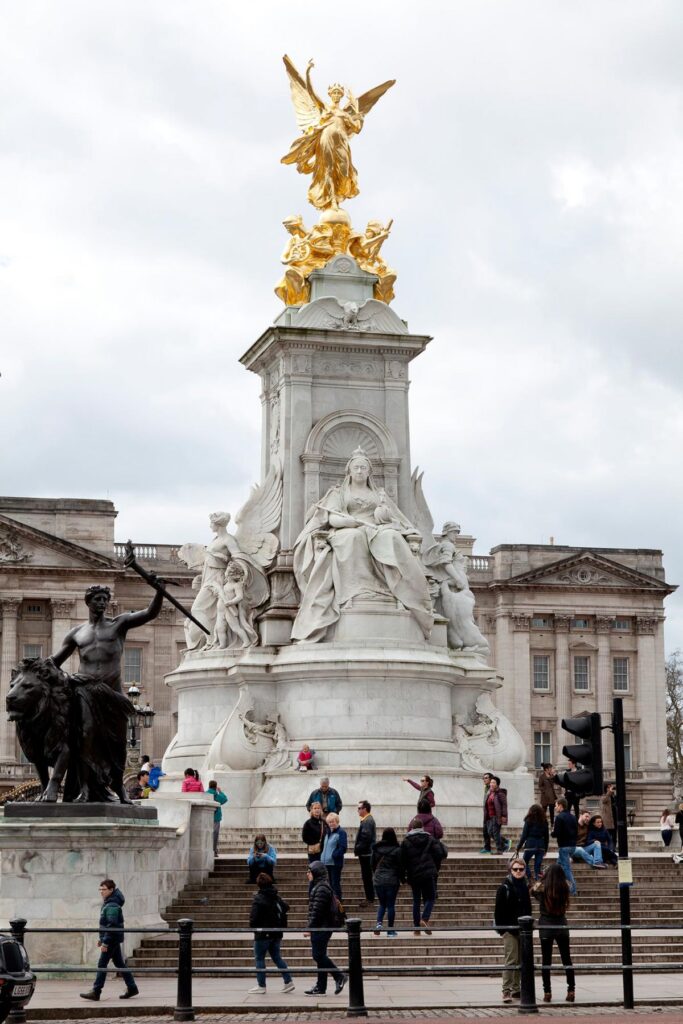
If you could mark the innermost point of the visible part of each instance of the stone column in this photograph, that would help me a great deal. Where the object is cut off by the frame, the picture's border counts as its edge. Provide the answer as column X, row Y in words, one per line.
column 647, row 703
column 9, row 607
column 62, row 611
column 521, row 712
column 603, row 685
column 563, row 683
column 159, row 695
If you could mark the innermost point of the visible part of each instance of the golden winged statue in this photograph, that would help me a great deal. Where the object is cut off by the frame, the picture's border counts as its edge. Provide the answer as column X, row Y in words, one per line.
column 323, row 149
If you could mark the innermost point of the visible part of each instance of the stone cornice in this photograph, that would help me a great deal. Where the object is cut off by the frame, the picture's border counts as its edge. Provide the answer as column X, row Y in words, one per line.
column 276, row 341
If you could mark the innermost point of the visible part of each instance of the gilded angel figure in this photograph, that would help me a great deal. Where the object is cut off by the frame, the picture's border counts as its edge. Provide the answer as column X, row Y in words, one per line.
column 323, row 149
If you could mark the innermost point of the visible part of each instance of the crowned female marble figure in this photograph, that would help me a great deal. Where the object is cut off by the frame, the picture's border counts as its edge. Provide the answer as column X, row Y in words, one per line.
column 354, row 545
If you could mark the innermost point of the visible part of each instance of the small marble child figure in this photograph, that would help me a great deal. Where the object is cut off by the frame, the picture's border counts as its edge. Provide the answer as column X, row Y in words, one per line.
column 232, row 621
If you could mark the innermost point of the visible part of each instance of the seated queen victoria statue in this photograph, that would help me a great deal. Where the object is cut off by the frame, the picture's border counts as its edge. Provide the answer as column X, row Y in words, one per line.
column 355, row 545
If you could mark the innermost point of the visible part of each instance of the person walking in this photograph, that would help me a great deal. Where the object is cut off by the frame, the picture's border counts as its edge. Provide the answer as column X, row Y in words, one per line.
column 335, row 846
column 420, row 860
column 366, row 836
column 111, row 943
column 261, row 857
column 269, row 911
column 534, row 840
column 486, row 779
column 565, row 831
column 387, row 877
column 608, row 810
column 553, row 896
column 495, row 815
column 547, row 795
column 314, row 830
column 220, row 798
column 512, row 902
column 425, row 787
column 667, row 823
column 321, row 915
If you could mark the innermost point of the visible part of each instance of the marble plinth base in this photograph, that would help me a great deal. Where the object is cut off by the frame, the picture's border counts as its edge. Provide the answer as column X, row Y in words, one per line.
column 81, row 812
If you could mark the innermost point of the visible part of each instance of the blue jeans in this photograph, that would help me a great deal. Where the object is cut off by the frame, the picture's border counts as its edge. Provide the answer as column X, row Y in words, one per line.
column 319, row 942
column 423, row 889
column 493, row 834
column 386, row 895
column 115, row 954
column 564, row 857
column 591, row 854
column 537, row 856
column 271, row 946
column 334, row 872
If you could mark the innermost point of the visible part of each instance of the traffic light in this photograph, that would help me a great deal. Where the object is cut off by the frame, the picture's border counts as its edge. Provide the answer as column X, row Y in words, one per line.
column 587, row 779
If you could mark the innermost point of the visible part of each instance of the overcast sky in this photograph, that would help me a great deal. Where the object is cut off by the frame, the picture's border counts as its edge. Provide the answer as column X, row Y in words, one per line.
column 531, row 155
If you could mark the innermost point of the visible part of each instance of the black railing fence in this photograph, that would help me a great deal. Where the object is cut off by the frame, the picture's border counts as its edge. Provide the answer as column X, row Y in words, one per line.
column 185, row 969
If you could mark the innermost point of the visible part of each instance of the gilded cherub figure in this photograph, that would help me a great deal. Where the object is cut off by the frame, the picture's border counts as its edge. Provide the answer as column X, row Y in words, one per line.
column 323, row 149
column 365, row 249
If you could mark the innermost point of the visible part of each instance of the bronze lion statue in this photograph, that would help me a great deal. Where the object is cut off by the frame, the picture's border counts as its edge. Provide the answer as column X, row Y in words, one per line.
column 38, row 702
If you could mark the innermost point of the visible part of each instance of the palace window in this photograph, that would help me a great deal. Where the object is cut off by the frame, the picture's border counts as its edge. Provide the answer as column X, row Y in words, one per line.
column 542, row 748
column 33, row 650
column 628, row 750
column 34, row 610
column 582, row 679
column 132, row 665
column 541, row 670
column 581, row 623
column 623, row 625
column 541, row 622
column 620, row 674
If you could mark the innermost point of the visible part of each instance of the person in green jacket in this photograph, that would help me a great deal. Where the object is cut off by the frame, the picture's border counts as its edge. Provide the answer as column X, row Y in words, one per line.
column 220, row 798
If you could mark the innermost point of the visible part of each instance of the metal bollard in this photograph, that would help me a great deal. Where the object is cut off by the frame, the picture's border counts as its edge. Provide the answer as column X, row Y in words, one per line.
column 18, row 929
column 184, row 1009
column 356, row 1006
column 527, row 1003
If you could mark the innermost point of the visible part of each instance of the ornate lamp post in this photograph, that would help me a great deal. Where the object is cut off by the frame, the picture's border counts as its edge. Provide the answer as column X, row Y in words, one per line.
column 141, row 718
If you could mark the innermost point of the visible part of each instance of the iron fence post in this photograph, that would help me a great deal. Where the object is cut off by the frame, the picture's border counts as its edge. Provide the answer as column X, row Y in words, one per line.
column 184, row 1009
column 356, row 1006
column 18, row 930
column 527, row 1002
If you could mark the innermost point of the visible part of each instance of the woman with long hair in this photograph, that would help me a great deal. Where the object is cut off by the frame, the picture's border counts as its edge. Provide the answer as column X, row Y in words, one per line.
column 553, row 896
column 667, row 823
column 386, row 878
column 534, row 839
column 425, row 789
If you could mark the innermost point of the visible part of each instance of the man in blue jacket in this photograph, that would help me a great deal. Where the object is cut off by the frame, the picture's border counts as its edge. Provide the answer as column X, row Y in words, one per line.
column 327, row 797
column 111, row 941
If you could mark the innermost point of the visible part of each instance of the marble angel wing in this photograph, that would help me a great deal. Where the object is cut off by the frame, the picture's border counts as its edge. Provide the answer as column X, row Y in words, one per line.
column 307, row 107
column 367, row 101
column 422, row 517
column 259, row 516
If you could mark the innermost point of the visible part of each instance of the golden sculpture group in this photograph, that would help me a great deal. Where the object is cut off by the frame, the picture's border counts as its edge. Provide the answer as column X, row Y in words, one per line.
column 323, row 150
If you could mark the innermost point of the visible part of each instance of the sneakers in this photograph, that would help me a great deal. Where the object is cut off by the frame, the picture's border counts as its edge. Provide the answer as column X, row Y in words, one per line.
column 507, row 998
column 130, row 992
column 425, row 925
column 392, row 935
column 484, row 850
column 257, row 990
column 677, row 858
column 507, row 845
column 340, row 985
column 289, row 987
column 92, row 994
column 315, row 991
column 377, row 930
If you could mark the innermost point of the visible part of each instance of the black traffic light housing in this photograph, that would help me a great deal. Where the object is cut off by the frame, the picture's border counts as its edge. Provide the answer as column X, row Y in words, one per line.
column 587, row 779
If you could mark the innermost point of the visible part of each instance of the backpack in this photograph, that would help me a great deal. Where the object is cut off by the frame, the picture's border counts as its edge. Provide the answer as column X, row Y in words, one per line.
column 281, row 909
column 337, row 912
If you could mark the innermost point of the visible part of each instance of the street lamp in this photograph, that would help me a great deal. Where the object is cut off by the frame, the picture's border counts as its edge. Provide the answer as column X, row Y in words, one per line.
column 140, row 719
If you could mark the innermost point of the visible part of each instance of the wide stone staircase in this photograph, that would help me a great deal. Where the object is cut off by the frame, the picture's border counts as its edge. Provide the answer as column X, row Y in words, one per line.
column 467, row 886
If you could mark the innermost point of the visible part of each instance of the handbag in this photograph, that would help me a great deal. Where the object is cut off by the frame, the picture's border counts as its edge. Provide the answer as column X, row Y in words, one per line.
column 317, row 847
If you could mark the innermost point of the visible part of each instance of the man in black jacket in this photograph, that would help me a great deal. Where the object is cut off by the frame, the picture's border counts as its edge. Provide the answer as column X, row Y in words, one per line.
column 565, row 831
column 421, row 856
column 320, row 915
column 365, row 840
column 268, row 909
column 110, row 942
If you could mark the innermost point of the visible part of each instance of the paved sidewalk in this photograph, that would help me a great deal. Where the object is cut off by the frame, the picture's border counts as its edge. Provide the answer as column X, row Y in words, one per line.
column 390, row 994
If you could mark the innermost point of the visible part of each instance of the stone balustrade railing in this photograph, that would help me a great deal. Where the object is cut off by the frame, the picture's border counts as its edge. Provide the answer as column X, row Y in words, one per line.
column 150, row 552
column 479, row 563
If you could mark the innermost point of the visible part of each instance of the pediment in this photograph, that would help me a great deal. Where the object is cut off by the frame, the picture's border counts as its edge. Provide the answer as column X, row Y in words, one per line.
column 26, row 548
column 588, row 571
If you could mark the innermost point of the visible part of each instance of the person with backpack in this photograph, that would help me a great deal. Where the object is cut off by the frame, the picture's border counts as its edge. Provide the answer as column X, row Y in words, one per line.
column 513, row 902
column 268, row 911
column 534, row 840
column 323, row 913
column 421, row 857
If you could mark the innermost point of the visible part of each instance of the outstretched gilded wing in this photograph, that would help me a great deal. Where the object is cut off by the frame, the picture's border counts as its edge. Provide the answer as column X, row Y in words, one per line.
column 367, row 101
column 422, row 517
column 260, row 515
column 305, row 107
